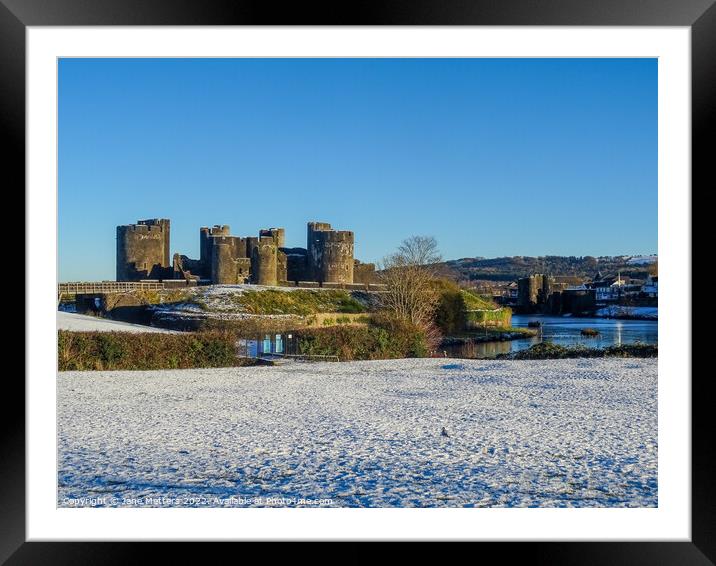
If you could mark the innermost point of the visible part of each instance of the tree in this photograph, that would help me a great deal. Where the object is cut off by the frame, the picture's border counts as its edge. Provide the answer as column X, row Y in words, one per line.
column 409, row 277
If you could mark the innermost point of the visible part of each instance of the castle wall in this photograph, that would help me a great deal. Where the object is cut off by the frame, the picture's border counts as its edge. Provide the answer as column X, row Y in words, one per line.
column 278, row 234
column 330, row 253
column 232, row 248
column 264, row 261
column 251, row 243
column 205, row 244
column 143, row 253
column 186, row 268
column 529, row 291
column 224, row 268
column 296, row 264
column 143, row 250
column 313, row 244
column 281, row 266
column 364, row 273
column 333, row 257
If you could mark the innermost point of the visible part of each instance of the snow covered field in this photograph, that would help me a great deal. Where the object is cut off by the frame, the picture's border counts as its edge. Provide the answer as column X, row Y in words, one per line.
column 519, row 433
column 86, row 323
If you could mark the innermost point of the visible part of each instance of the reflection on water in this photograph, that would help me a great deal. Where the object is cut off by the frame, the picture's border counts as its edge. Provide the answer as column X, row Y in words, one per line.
column 565, row 331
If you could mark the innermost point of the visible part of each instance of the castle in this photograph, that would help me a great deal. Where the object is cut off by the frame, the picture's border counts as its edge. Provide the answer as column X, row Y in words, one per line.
column 327, row 260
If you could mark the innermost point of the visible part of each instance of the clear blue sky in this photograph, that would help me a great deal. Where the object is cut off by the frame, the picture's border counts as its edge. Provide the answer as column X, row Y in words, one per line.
column 493, row 157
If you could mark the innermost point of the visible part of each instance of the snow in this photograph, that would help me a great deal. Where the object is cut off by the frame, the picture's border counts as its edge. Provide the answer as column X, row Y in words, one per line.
column 642, row 260
column 219, row 302
column 86, row 323
column 572, row 433
column 616, row 311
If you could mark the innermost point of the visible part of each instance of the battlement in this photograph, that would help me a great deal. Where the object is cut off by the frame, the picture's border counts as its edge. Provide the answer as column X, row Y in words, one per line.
column 335, row 236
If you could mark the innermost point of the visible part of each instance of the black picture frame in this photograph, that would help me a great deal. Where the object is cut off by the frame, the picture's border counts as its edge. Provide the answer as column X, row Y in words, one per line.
column 699, row 15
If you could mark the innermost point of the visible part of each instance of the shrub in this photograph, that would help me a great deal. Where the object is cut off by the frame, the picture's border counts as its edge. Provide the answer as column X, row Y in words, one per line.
column 382, row 338
column 549, row 350
column 146, row 350
column 450, row 315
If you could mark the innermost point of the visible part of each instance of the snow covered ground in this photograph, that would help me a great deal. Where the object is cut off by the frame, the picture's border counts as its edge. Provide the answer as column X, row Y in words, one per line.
column 86, row 323
column 577, row 433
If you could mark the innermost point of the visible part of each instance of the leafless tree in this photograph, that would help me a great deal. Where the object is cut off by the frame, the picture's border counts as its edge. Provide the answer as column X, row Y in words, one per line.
column 409, row 275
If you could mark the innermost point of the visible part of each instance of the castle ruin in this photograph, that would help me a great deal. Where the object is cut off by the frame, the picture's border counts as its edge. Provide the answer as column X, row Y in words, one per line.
column 327, row 260
column 143, row 250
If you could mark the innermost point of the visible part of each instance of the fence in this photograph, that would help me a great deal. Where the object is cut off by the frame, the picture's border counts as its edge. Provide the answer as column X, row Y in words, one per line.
column 107, row 287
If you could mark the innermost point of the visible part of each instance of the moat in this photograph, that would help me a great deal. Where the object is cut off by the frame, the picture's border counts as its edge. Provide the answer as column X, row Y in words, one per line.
column 565, row 331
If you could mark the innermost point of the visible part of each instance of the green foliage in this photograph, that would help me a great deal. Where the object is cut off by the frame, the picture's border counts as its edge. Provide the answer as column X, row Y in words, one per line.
column 474, row 301
column 146, row 350
column 301, row 302
column 382, row 338
column 460, row 309
column 450, row 315
column 549, row 351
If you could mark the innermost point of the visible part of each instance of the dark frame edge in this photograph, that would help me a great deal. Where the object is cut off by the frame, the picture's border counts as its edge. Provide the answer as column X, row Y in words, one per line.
column 12, row 427
column 702, row 549
column 703, row 112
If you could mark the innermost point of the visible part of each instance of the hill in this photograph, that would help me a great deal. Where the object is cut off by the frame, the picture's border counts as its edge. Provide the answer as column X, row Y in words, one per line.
column 511, row 268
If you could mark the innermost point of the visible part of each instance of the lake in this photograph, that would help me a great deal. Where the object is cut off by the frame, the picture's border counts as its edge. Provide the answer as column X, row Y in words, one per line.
column 565, row 331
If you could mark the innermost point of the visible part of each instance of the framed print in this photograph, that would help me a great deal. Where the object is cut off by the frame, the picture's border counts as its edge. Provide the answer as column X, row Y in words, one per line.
column 386, row 276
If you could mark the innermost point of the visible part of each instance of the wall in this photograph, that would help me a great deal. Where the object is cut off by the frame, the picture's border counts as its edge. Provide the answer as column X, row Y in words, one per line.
column 143, row 250
column 264, row 262
column 364, row 272
column 330, row 254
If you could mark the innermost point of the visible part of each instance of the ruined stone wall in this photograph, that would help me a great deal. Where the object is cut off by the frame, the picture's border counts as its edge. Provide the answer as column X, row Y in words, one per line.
column 186, row 268
column 296, row 264
column 205, row 246
column 232, row 248
column 364, row 273
column 278, row 234
column 251, row 243
column 281, row 266
column 333, row 257
column 143, row 250
column 529, row 291
column 329, row 254
column 313, row 242
column 264, row 260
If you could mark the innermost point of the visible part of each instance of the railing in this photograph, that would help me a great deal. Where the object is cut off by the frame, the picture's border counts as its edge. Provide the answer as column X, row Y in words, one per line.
column 309, row 357
column 106, row 287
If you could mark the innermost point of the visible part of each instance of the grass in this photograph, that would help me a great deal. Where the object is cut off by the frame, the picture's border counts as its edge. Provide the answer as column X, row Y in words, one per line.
column 146, row 351
column 301, row 302
column 474, row 302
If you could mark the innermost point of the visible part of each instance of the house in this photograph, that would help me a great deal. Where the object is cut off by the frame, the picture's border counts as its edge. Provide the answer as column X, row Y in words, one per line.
column 651, row 286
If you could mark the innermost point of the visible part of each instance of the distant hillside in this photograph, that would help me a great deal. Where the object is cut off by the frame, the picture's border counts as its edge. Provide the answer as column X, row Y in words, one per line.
column 511, row 268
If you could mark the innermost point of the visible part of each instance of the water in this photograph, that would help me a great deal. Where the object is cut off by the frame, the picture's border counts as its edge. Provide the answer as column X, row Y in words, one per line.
column 565, row 331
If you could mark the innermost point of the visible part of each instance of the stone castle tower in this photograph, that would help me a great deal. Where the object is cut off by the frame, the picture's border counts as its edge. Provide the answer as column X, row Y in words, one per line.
column 330, row 253
column 143, row 250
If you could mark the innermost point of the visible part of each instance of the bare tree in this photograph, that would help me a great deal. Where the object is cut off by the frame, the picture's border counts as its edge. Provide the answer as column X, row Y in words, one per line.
column 409, row 275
